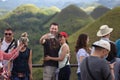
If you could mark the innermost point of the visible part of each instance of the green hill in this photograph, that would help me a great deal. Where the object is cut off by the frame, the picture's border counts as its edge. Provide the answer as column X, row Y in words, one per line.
column 26, row 8
column 34, row 9
column 111, row 18
column 3, row 12
column 99, row 11
column 50, row 10
column 71, row 19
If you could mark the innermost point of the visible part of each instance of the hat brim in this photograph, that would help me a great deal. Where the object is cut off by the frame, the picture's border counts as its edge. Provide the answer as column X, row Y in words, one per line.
column 99, row 46
column 99, row 32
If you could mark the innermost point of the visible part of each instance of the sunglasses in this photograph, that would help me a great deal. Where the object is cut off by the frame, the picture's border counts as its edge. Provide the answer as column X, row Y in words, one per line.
column 8, row 34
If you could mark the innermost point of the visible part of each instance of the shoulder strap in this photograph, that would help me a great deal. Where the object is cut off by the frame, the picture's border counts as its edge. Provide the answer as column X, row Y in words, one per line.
column 87, row 66
column 66, row 61
column 15, row 43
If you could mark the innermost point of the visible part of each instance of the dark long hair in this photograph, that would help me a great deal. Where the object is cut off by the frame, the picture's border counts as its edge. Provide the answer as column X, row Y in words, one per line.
column 113, row 52
column 81, row 42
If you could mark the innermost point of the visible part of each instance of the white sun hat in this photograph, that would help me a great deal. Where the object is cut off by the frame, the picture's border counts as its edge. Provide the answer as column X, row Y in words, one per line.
column 104, row 30
column 103, row 44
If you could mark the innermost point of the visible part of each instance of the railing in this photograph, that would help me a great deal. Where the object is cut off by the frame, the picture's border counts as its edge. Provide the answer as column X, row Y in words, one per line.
column 73, row 74
column 40, row 65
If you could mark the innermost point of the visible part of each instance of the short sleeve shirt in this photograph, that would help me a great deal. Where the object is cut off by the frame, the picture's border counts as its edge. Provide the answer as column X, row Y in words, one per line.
column 81, row 52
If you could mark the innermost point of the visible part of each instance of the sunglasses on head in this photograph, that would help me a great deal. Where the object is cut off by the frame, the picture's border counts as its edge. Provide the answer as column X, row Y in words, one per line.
column 8, row 34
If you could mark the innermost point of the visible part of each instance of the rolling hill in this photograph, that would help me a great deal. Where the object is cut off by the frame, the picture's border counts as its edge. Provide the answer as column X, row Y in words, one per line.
column 34, row 9
column 111, row 18
column 99, row 11
column 71, row 19
column 3, row 12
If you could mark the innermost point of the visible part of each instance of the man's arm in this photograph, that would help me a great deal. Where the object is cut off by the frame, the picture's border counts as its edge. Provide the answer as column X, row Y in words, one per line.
column 30, row 65
column 42, row 39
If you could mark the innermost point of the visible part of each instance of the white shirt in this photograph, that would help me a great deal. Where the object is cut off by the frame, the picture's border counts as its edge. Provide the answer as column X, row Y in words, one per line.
column 63, row 63
column 81, row 52
column 4, row 46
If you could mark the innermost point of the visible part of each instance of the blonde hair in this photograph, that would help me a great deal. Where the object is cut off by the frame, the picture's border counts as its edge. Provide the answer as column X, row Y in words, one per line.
column 24, row 37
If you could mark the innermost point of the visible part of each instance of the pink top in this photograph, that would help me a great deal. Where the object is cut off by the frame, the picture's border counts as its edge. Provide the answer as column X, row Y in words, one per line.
column 7, row 56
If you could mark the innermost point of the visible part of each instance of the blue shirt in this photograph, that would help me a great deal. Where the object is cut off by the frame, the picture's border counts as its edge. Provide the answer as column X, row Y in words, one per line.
column 117, row 43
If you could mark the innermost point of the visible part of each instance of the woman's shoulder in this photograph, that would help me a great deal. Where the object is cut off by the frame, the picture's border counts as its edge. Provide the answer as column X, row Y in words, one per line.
column 81, row 50
column 65, row 45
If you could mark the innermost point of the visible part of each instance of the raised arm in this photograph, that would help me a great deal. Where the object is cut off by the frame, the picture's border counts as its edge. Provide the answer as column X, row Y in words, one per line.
column 44, row 37
column 13, row 54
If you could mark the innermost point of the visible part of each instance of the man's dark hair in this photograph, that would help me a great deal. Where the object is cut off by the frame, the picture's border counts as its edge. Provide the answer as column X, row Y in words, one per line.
column 7, row 29
column 54, row 24
column 113, row 52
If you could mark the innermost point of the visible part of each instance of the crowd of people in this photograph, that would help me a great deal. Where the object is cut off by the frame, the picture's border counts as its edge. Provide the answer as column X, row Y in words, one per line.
column 99, row 62
column 102, row 63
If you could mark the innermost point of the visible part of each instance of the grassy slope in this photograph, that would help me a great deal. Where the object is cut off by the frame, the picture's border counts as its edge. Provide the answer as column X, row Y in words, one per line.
column 111, row 18
column 99, row 11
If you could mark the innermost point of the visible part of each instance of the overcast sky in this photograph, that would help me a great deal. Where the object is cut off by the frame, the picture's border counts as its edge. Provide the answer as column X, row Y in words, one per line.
column 48, row 3
column 55, row 0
